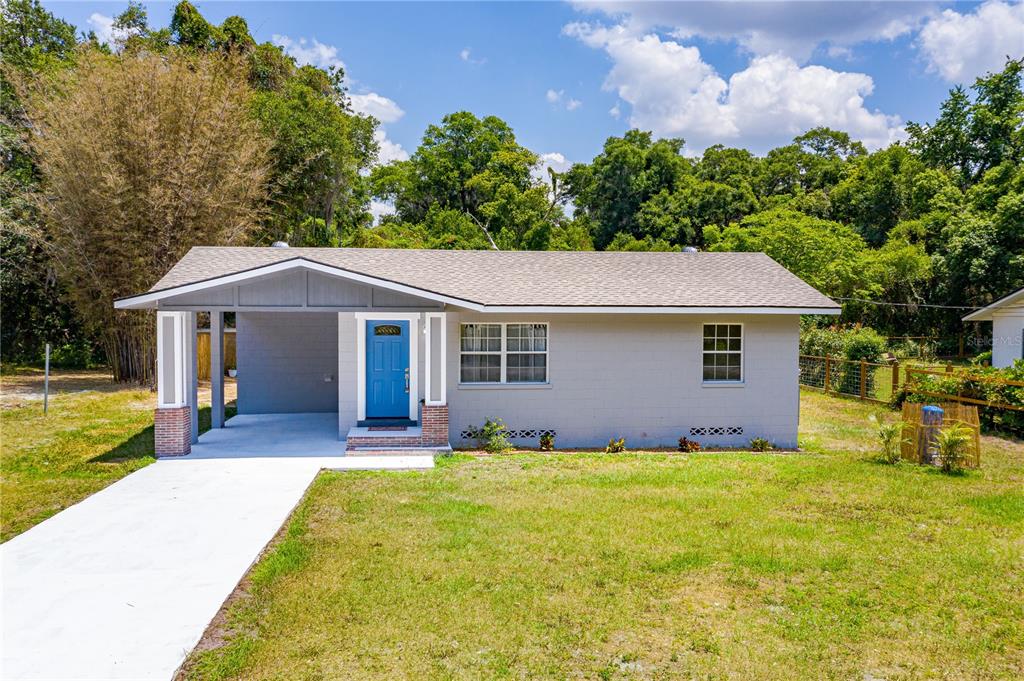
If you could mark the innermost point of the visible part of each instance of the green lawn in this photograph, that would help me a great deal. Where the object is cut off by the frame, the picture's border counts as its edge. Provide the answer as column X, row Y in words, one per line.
column 818, row 565
column 94, row 434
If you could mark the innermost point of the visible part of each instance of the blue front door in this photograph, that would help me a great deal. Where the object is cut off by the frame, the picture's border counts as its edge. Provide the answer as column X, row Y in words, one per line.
column 387, row 369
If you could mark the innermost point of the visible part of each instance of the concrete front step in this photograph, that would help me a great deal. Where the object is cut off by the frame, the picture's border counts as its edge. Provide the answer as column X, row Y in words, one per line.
column 397, row 451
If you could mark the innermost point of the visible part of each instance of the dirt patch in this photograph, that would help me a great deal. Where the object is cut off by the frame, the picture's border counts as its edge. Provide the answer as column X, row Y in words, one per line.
column 25, row 385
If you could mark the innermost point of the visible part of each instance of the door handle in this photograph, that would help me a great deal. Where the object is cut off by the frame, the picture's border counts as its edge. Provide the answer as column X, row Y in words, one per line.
column 407, row 379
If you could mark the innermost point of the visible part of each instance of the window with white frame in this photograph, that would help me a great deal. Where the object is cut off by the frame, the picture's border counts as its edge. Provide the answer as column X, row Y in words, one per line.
column 723, row 353
column 504, row 353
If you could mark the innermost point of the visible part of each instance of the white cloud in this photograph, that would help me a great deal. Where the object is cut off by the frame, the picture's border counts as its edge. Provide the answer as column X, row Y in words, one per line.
column 380, row 107
column 674, row 92
column 309, row 51
column 795, row 29
column 102, row 26
column 379, row 209
column 466, row 55
column 557, row 97
column 961, row 47
column 389, row 149
column 554, row 160
column 615, row 112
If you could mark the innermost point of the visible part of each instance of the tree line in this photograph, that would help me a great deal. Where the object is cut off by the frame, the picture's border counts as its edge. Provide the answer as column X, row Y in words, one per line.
column 118, row 158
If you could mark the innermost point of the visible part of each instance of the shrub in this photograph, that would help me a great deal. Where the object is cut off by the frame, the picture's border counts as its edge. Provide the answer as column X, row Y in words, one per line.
column 890, row 439
column 686, row 445
column 615, row 446
column 982, row 359
column 863, row 343
column 951, row 445
column 492, row 436
column 760, row 444
column 853, row 343
column 78, row 355
column 547, row 442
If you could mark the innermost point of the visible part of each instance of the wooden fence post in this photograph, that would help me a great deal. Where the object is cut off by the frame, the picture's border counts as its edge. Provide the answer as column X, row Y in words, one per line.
column 863, row 379
column 949, row 367
column 895, row 376
column 960, row 351
column 828, row 373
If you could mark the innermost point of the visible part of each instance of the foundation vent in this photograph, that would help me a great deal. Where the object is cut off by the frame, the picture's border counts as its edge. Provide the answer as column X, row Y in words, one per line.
column 716, row 430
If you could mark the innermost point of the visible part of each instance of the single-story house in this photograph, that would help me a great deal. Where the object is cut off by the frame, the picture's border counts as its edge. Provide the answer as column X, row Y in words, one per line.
column 415, row 348
column 1007, row 317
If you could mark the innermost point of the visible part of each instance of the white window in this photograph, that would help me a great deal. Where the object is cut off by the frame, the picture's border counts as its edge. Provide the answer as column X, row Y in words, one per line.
column 723, row 353
column 504, row 353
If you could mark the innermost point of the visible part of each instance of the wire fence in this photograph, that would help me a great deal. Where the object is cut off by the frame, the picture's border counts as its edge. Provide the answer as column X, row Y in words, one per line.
column 862, row 379
column 1000, row 400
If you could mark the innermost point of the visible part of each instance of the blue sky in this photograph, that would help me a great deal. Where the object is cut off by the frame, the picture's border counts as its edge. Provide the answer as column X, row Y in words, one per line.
column 568, row 75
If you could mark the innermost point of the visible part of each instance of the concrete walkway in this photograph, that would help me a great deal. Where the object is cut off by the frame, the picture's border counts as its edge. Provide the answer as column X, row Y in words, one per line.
column 123, row 584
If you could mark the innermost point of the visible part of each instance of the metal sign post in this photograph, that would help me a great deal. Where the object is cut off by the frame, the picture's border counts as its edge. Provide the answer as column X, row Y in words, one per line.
column 46, row 381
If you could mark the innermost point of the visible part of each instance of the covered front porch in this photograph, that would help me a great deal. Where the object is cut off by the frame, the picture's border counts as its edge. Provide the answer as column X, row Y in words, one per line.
column 257, row 436
column 325, row 367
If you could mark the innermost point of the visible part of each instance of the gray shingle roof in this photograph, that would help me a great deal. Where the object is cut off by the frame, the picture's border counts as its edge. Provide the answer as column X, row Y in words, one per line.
column 533, row 278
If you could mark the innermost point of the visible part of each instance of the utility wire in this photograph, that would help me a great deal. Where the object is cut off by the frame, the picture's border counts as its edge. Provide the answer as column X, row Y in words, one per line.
column 944, row 307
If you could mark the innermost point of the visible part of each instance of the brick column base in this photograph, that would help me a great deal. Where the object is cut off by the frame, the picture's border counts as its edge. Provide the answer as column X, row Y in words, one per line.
column 434, row 424
column 172, row 428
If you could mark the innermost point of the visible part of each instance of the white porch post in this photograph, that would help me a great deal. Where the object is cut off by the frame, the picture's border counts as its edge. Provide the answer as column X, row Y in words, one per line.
column 436, row 370
column 172, row 421
column 434, row 424
column 216, row 369
column 192, row 374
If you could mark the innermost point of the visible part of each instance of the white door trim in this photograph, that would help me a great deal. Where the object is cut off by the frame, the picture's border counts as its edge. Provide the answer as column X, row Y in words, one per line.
column 414, row 355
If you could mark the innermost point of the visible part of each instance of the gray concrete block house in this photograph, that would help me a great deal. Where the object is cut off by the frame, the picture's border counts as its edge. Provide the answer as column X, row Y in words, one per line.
column 402, row 349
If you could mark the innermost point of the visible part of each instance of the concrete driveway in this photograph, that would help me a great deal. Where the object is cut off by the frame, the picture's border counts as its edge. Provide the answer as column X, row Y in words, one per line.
column 123, row 584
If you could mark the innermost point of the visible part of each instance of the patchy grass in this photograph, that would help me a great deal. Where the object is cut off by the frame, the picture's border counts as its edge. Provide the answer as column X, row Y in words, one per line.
column 822, row 564
column 95, row 433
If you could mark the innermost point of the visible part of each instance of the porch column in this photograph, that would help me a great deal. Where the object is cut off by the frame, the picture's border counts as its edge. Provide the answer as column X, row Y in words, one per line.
column 192, row 372
column 172, row 420
column 216, row 369
column 434, row 418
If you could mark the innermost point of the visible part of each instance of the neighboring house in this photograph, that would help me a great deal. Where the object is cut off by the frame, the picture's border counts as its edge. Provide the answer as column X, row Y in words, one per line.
column 1007, row 317
column 586, row 345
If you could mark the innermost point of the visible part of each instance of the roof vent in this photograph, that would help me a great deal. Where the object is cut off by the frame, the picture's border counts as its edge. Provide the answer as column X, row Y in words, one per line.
column 279, row 244
column 690, row 249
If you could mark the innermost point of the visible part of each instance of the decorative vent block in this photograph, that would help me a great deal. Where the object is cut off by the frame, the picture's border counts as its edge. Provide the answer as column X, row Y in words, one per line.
column 716, row 430
column 522, row 434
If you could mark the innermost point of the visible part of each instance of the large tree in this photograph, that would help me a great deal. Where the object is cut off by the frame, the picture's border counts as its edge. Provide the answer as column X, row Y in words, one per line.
column 142, row 157
column 972, row 136
column 629, row 171
column 470, row 184
column 35, row 45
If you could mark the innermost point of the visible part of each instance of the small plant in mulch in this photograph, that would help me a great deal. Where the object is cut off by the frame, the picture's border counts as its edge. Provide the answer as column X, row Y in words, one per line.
column 689, row 446
column 760, row 444
column 616, row 446
column 492, row 437
column 547, row 442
